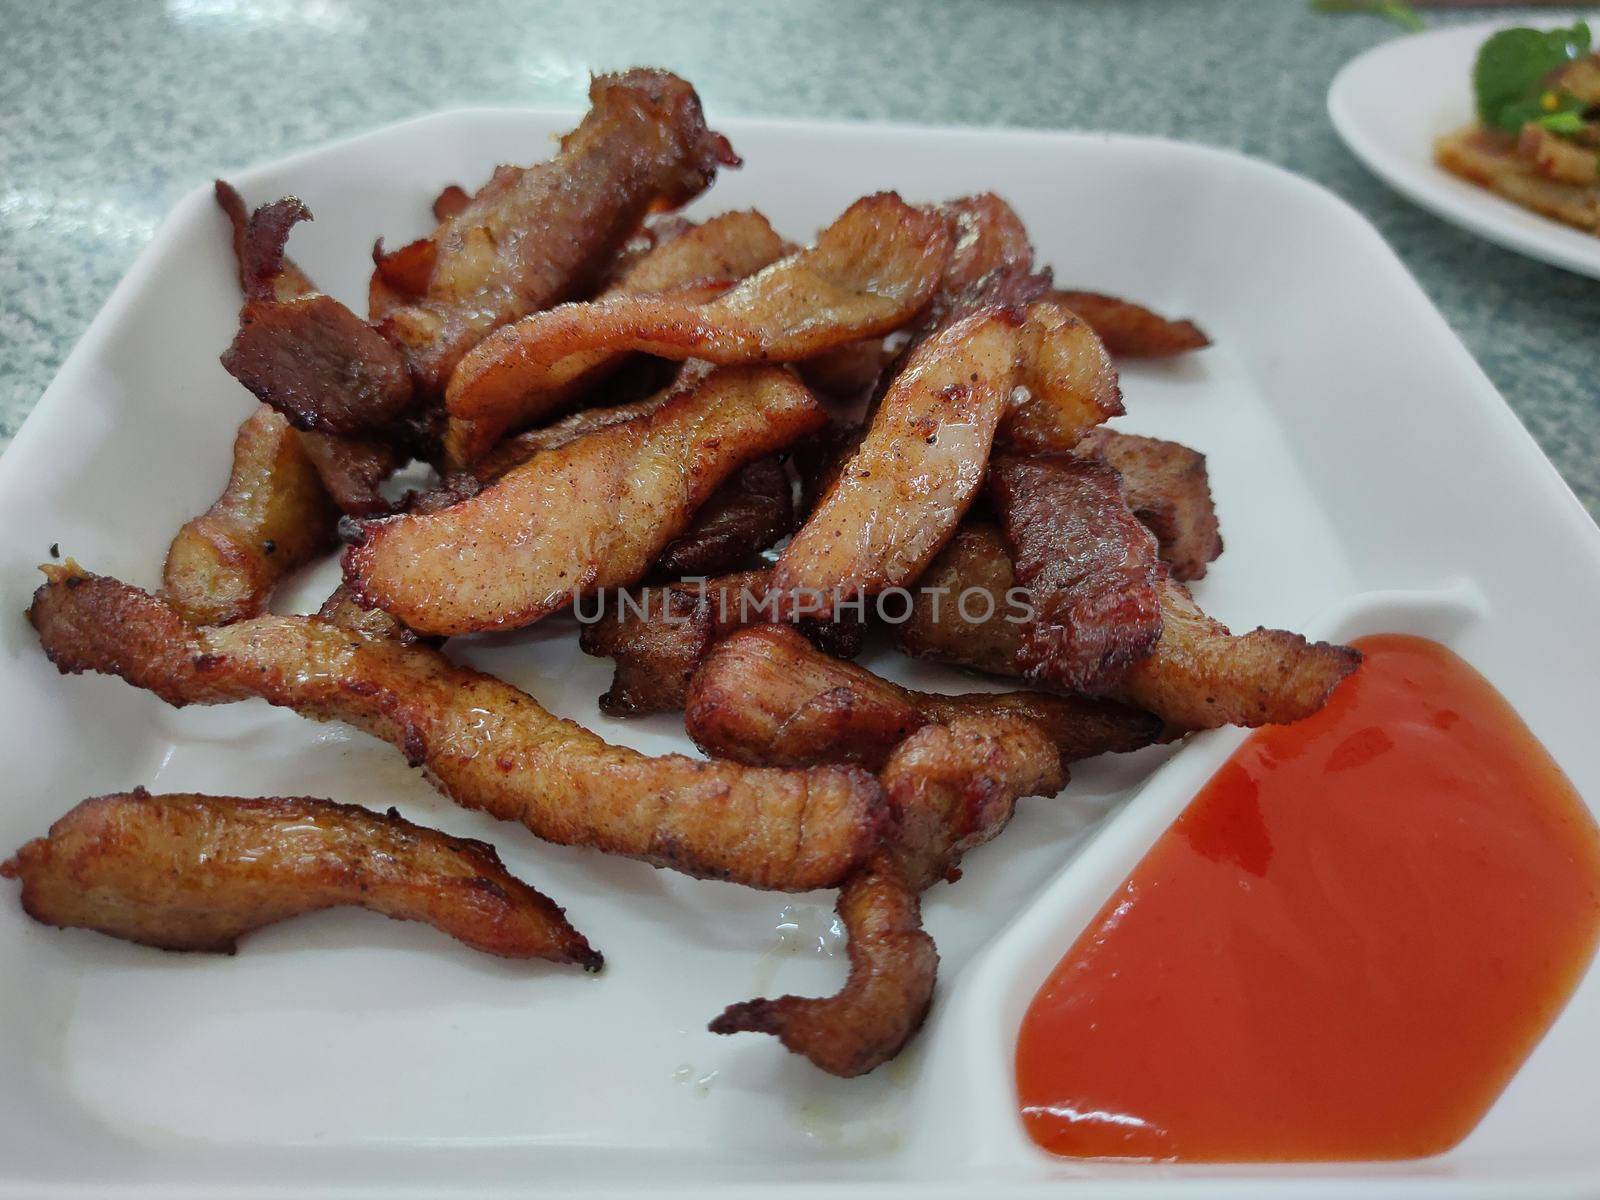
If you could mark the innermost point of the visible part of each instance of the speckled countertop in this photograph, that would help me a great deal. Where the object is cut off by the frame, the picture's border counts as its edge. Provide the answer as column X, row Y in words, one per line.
column 111, row 110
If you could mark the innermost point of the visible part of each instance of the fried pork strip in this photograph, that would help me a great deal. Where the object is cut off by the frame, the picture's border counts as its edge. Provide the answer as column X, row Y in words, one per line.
column 482, row 742
column 1088, row 565
column 693, row 266
column 535, row 236
column 1198, row 677
column 189, row 872
column 765, row 696
column 352, row 470
column 1168, row 489
column 273, row 517
column 1130, row 330
column 317, row 363
column 868, row 273
column 750, row 512
column 1036, row 377
column 341, row 609
column 950, row 787
column 529, row 238
column 590, row 515
column 659, row 636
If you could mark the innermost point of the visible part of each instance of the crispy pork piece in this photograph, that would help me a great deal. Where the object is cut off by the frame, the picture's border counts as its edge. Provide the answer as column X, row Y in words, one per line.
column 1199, row 676
column 352, row 470
column 765, row 696
column 750, row 512
column 320, row 365
column 1088, row 564
column 1035, row 377
column 847, row 374
column 1168, row 489
column 1130, row 330
column 659, row 636
column 482, row 742
column 535, row 236
column 885, row 999
column 951, row 787
column 868, row 273
column 273, row 517
column 593, row 514
column 341, row 609
column 451, row 199
column 529, row 238
column 189, row 872
column 693, row 266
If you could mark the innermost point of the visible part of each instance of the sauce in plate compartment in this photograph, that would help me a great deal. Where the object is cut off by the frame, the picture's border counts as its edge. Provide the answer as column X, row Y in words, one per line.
column 1343, row 949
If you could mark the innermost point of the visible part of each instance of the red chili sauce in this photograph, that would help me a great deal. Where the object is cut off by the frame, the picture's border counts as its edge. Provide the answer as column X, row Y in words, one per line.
column 1343, row 949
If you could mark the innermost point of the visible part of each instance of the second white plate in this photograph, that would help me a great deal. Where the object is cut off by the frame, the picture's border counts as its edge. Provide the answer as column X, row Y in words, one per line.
column 1391, row 103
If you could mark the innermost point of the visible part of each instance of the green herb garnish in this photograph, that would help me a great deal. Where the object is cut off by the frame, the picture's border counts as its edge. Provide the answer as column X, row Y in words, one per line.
column 1509, row 76
column 1564, row 122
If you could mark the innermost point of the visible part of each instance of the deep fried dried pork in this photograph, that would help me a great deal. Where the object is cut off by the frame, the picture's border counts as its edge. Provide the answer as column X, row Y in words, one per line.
column 590, row 515
column 659, row 636
column 749, row 513
column 1035, row 377
column 535, row 236
column 484, row 743
column 1198, row 677
column 766, row 696
column 949, row 787
column 273, row 517
column 529, row 238
column 309, row 356
column 188, row 872
column 1089, row 567
column 1130, row 330
column 352, row 470
column 1168, row 489
column 868, row 273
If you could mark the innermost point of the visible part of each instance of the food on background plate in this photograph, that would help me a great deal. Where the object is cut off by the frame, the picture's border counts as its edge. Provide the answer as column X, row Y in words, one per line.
column 1537, row 137
column 1342, row 949
column 673, row 364
column 188, row 872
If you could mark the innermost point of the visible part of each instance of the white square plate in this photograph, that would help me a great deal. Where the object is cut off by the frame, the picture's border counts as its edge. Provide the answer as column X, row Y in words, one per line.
column 1393, row 102
column 1367, row 476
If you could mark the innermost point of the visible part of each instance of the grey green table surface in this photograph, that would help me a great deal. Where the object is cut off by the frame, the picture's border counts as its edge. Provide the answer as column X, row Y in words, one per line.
column 110, row 111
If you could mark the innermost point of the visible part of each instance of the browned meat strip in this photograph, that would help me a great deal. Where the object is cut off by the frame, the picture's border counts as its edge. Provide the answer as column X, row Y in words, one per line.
column 273, row 517
column 1130, row 330
column 950, row 788
column 659, row 636
column 1168, row 489
column 1088, row 565
column 1199, row 676
column 590, row 515
column 868, row 273
column 482, row 742
column 766, row 696
column 188, row 872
